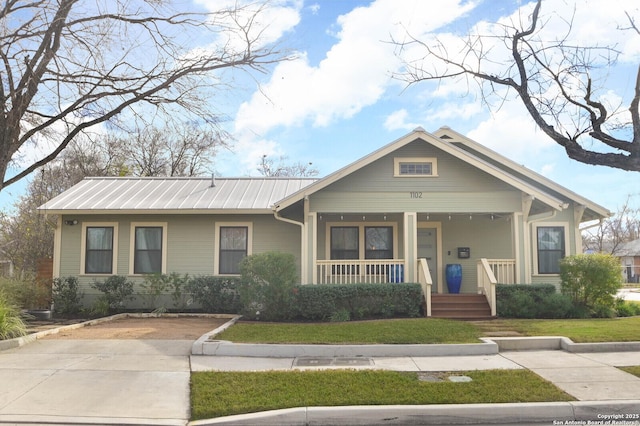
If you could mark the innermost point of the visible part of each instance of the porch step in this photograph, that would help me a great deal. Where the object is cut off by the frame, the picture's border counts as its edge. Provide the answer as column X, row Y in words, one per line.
column 460, row 306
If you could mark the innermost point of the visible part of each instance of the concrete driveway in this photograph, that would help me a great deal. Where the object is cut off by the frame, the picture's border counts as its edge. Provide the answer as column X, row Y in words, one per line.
column 122, row 382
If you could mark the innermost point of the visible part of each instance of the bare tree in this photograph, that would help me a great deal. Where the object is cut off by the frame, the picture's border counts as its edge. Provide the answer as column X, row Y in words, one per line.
column 553, row 78
column 67, row 66
column 268, row 167
column 182, row 150
column 622, row 227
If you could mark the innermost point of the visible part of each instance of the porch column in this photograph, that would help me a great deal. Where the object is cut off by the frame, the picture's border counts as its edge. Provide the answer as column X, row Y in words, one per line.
column 311, row 255
column 410, row 247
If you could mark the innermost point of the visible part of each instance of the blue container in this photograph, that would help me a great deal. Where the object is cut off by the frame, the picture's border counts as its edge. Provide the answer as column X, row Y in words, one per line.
column 454, row 277
column 397, row 273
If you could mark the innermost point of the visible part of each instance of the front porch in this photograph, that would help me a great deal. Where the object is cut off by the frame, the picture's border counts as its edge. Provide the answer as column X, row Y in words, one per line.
column 479, row 304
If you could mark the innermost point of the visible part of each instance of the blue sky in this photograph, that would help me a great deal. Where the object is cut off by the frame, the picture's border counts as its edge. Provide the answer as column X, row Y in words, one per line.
column 337, row 102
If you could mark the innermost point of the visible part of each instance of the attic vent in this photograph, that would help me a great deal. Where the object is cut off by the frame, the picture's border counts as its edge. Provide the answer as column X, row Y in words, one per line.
column 445, row 137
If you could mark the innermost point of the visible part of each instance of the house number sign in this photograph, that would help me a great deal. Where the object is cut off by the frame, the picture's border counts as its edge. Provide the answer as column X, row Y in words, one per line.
column 415, row 194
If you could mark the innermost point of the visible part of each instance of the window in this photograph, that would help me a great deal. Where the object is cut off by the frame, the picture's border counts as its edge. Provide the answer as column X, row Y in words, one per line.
column 233, row 248
column 415, row 167
column 99, row 248
column 551, row 248
column 148, row 250
column 344, row 242
column 378, row 242
column 98, row 255
column 148, row 247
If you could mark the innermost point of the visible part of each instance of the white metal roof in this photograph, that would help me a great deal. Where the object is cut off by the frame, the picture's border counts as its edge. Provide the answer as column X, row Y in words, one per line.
column 174, row 195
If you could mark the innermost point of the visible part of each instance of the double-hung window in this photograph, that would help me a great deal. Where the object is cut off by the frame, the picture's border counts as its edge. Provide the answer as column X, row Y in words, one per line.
column 148, row 248
column 550, row 248
column 233, row 246
column 345, row 242
column 99, row 245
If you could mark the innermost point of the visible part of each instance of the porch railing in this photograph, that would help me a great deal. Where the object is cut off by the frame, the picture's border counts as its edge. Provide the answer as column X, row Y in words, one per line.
column 504, row 270
column 360, row 271
column 487, row 283
column 425, row 280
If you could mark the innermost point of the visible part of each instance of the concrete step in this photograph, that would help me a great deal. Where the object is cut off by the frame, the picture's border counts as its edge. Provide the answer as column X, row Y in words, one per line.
column 460, row 306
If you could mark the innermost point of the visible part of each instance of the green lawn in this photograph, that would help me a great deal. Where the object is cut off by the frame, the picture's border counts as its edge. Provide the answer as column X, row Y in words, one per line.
column 400, row 331
column 579, row 330
column 425, row 331
column 633, row 370
column 215, row 394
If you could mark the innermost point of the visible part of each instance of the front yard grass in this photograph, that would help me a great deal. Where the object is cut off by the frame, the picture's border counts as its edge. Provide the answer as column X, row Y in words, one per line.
column 430, row 331
column 395, row 331
column 579, row 330
column 215, row 394
column 632, row 370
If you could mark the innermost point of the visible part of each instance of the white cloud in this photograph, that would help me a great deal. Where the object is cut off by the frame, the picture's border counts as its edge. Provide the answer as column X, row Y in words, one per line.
column 397, row 120
column 354, row 74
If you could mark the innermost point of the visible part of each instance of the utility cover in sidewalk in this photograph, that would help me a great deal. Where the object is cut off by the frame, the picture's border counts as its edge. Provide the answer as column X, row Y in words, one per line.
column 459, row 379
column 331, row 361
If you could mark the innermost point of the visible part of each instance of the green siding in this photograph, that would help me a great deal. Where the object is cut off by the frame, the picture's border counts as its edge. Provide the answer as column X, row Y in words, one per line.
column 190, row 243
column 459, row 187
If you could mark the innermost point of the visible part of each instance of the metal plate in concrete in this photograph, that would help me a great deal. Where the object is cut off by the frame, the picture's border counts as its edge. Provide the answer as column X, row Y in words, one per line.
column 332, row 362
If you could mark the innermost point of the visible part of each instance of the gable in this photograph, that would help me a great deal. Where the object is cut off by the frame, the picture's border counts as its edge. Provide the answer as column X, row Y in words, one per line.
column 453, row 174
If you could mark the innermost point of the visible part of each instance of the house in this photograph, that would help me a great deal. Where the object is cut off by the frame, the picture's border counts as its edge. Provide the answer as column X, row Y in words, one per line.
column 402, row 213
column 629, row 254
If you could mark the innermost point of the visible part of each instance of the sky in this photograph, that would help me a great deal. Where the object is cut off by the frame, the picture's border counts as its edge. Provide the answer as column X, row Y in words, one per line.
column 337, row 100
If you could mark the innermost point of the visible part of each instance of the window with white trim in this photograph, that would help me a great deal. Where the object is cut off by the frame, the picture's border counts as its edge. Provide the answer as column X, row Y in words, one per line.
column 99, row 248
column 551, row 246
column 233, row 243
column 148, row 248
column 415, row 167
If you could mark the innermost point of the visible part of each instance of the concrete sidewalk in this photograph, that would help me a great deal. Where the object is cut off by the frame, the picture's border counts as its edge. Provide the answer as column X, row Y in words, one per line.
column 123, row 382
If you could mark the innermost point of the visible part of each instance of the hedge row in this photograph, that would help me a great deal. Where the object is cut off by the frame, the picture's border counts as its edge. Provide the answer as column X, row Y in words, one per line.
column 535, row 301
column 316, row 302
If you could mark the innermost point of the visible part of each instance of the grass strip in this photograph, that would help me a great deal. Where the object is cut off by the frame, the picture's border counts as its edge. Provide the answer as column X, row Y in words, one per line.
column 579, row 330
column 395, row 331
column 632, row 370
column 215, row 394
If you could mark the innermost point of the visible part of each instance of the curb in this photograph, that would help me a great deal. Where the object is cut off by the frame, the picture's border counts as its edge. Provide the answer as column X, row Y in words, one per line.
column 490, row 346
column 514, row 413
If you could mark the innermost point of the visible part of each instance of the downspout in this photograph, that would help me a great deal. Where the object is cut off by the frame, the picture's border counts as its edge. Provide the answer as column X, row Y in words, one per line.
column 303, row 246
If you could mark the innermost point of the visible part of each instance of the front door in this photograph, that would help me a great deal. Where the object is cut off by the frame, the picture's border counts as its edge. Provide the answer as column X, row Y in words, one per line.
column 428, row 249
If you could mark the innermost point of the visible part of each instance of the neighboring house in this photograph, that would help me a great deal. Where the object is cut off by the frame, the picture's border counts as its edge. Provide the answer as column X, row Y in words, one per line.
column 402, row 213
column 629, row 254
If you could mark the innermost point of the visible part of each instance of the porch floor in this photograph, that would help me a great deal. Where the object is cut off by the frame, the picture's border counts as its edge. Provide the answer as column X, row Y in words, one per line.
column 460, row 306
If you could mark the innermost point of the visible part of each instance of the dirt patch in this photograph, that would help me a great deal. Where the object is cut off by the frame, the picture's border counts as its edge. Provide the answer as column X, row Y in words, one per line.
column 181, row 328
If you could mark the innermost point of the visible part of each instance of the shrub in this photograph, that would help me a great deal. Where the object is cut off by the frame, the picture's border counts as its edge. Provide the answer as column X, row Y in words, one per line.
column 267, row 290
column 217, row 295
column 66, row 297
column 340, row 302
column 534, row 301
column 626, row 309
column 26, row 293
column 592, row 281
column 11, row 324
column 117, row 290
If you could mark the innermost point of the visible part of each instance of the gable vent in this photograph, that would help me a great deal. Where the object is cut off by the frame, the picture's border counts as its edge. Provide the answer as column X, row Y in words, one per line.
column 445, row 137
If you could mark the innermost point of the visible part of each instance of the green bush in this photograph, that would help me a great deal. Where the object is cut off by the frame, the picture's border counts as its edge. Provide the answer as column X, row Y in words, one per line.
column 626, row 309
column 592, row 281
column 340, row 302
column 267, row 290
column 218, row 295
column 67, row 299
column 26, row 293
column 534, row 301
column 11, row 324
column 155, row 288
column 117, row 290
